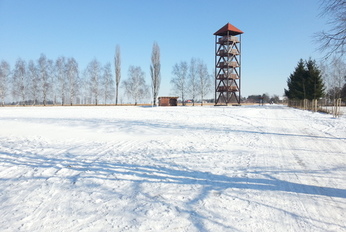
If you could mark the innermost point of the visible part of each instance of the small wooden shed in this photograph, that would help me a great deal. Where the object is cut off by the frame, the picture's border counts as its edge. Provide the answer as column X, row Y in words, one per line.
column 168, row 101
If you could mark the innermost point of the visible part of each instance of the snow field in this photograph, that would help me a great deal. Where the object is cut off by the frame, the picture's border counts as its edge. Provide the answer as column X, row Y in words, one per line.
column 247, row 168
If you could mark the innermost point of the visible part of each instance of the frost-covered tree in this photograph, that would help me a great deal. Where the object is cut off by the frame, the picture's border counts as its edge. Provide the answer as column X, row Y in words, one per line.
column 107, row 83
column 135, row 86
column 179, row 79
column 117, row 64
column 5, row 71
column 19, row 81
column 155, row 71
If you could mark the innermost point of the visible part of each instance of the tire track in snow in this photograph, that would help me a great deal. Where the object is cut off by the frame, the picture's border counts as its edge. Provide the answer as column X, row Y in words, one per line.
column 72, row 165
column 289, row 148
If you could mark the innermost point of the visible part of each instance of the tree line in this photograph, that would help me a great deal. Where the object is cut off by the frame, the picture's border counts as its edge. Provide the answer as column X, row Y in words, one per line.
column 46, row 81
column 61, row 82
column 311, row 81
column 191, row 80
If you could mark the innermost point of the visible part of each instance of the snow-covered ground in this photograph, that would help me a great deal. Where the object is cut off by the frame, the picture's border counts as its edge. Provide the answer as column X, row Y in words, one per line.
column 248, row 168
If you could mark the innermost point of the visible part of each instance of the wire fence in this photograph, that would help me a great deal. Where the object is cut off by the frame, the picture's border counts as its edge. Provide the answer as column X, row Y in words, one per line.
column 318, row 105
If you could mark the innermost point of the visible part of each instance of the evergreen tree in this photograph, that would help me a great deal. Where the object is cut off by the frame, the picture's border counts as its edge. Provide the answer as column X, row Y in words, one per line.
column 305, row 82
column 315, row 86
column 296, row 82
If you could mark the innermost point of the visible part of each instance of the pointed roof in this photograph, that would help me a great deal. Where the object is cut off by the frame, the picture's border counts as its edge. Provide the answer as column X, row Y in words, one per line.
column 228, row 27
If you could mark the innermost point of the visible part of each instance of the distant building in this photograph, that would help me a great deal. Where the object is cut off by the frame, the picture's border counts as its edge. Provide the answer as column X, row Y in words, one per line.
column 168, row 101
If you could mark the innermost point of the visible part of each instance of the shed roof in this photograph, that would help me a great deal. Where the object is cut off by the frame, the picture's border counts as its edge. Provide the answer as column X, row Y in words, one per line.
column 169, row 97
column 228, row 28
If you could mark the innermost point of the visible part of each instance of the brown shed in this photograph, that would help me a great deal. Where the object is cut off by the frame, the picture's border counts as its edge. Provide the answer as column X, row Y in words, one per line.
column 168, row 101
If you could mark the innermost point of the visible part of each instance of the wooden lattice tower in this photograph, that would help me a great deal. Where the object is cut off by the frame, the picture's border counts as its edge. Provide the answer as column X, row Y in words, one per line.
column 227, row 65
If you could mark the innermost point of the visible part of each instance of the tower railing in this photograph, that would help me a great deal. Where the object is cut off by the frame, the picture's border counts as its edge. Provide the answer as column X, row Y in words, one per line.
column 229, row 39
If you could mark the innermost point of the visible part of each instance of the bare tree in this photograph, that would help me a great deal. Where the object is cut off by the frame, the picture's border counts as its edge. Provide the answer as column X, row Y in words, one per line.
column 72, row 75
column 325, row 74
column 33, row 82
column 193, row 82
column 135, row 86
column 107, row 83
column 155, row 71
column 4, row 77
column 60, row 70
column 44, row 69
column 204, row 80
column 86, row 87
column 52, row 81
column 179, row 79
column 19, row 81
column 333, row 41
column 93, row 73
column 337, row 75
column 334, row 76
column 117, row 64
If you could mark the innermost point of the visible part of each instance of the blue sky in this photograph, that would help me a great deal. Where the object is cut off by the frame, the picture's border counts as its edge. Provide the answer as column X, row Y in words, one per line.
column 277, row 33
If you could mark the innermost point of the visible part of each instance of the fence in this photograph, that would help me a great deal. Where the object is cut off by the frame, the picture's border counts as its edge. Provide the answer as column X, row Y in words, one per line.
column 321, row 105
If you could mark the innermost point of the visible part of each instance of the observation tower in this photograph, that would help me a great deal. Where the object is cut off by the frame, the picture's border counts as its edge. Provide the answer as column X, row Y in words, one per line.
column 227, row 65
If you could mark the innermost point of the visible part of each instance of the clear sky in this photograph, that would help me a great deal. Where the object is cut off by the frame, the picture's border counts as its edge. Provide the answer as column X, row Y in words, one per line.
column 277, row 33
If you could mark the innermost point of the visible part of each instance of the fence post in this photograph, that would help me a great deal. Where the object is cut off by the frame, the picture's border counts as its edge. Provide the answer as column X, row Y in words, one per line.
column 305, row 104
column 314, row 105
column 336, row 107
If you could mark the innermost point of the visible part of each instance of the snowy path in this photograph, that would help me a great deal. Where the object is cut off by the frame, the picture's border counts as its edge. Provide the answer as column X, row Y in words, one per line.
column 252, row 168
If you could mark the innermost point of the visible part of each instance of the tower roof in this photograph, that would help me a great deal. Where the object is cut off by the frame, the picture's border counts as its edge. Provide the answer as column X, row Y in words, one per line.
column 228, row 28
